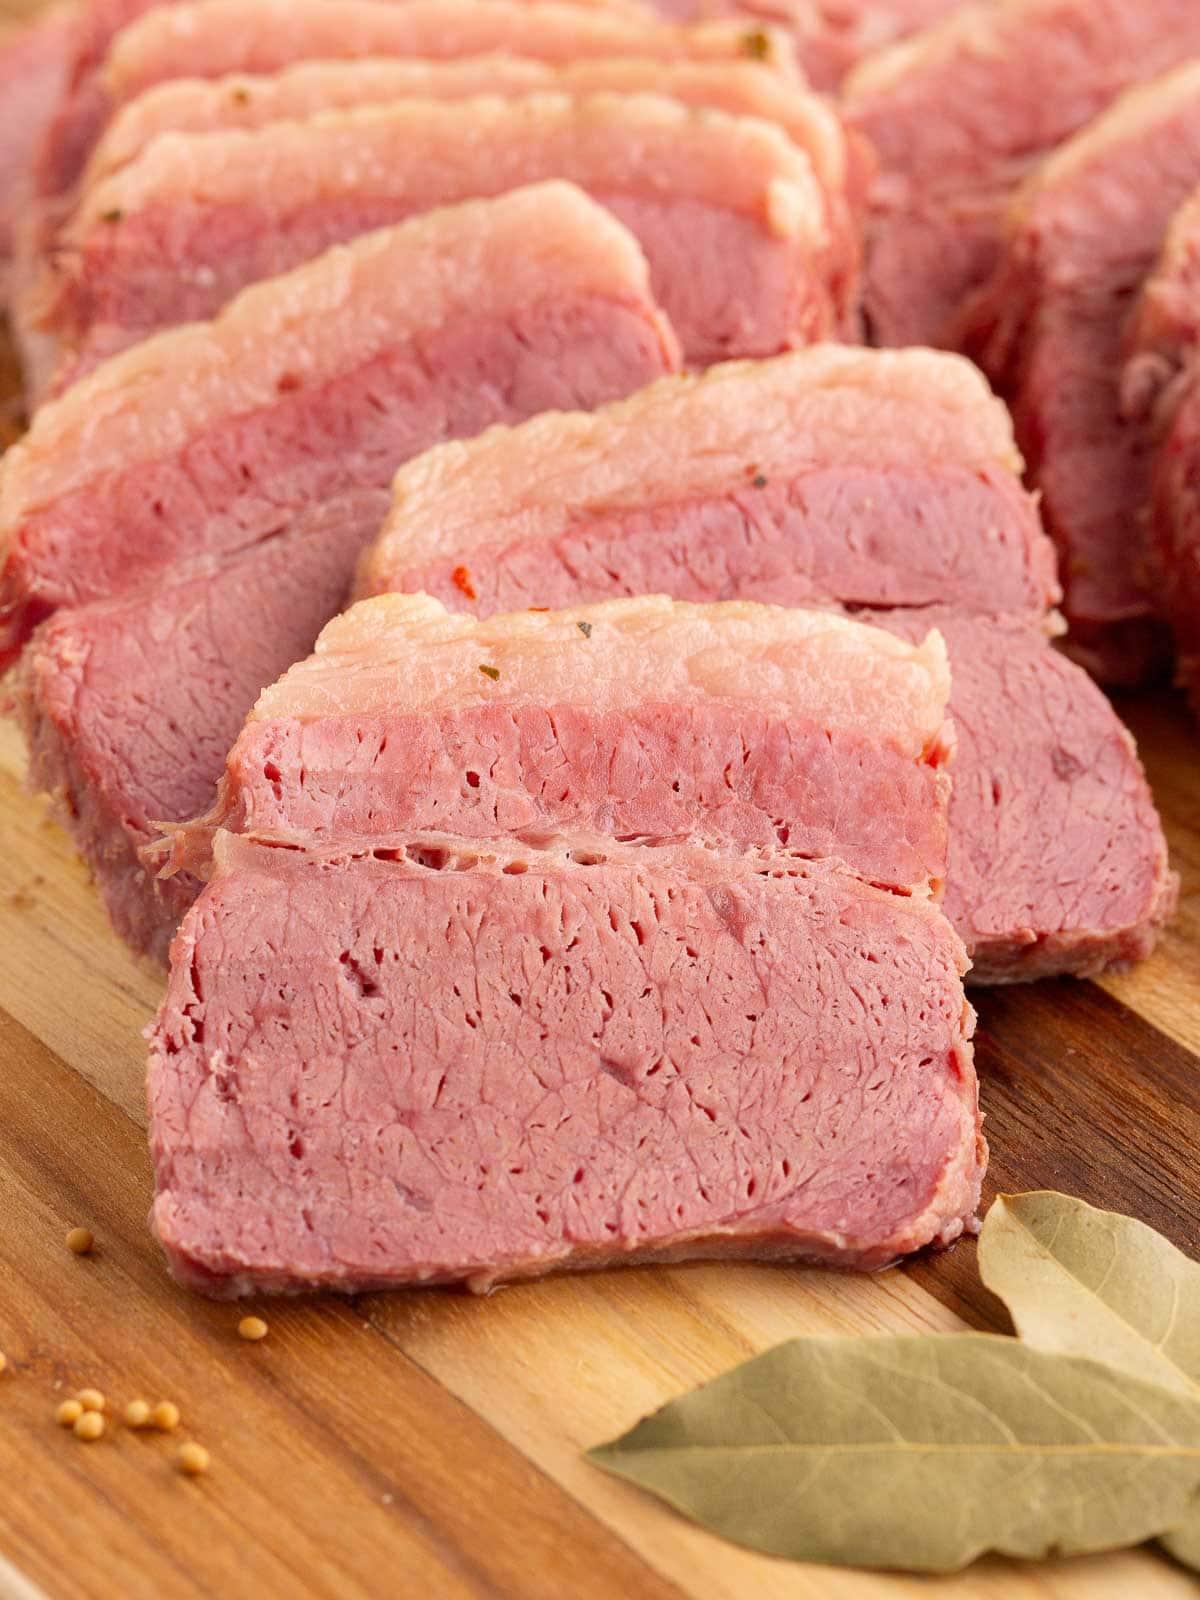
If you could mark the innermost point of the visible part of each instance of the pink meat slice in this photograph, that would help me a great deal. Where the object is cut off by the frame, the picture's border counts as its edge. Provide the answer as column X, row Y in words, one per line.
column 1082, row 236
column 728, row 210
column 169, row 40
column 645, row 719
column 238, row 468
column 960, row 113
column 870, row 478
column 33, row 70
column 740, row 87
column 209, row 438
column 1176, row 535
column 835, row 478
column 559, row 1058
column 1057, row 857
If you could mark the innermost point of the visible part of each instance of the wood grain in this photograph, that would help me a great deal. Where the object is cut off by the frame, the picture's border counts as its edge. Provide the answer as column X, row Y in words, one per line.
column 430, row 1444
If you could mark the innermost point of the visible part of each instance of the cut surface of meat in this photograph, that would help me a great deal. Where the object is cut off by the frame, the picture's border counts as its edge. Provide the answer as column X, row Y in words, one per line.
column 558, row 1058
column 1081, row 237
column 268, row 439
column 1176, row 536
column 130, row 705
column 208, row 438
column 1057, row 857
column 960, row 113
column 780, row 481
column 736, row 725
column 831, row 474
column 729, row 211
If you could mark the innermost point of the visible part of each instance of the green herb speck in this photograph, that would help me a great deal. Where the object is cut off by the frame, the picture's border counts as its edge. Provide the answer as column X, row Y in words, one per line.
column 585, row 629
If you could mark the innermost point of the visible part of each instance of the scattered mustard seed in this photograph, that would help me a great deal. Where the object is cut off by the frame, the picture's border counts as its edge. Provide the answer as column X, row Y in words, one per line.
column 80, row 1241
column 193, row 1459
column 166, row 1416
column 89, row 1426
column 138, row 1414
column 68, row 1414
column 91, row 1399
column 252, row 1328
column 3, row 1361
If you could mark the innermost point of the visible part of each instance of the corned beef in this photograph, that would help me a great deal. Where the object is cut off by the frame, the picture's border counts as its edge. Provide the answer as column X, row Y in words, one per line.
column 829, row 35
column 646, row 719
column 1163, row 329
column 459, row 1064
column 742, row 88
column 211, row 437
column 33, row 70
column 1082, row 235
column 784, row 1047
column 265, row 440
column 834, row 477
column 960, row 113
column 869, row 478
column 729, row 211
column 1176, row 535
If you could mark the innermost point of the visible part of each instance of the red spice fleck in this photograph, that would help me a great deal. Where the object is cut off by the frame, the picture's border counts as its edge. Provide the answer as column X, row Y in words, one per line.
column 461, row 579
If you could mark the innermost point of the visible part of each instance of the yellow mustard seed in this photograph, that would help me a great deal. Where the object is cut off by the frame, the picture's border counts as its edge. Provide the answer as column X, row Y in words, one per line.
column 193, row 1459
column 68, row 1414
column 3, row 1361
column 166, row 1416
column 138, row 1414
column 89, row 1426
column 91, row 1400
column 252, row 1328
column 80, row 1241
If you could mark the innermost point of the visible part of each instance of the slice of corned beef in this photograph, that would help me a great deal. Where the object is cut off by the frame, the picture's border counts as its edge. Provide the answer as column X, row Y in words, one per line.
column 646, row 719
column 829, row 35
column 466, row 1064
column 960, row 113
column 151, row 41
column 1159, row 392
column 782, row 1048
column 212, row 437
column 871, row 478
column 742, row 88
column 729, row 211
column 1057, row 857
column 267, row 437
column 1081, row 237
column 33, row 70
column 835, row 477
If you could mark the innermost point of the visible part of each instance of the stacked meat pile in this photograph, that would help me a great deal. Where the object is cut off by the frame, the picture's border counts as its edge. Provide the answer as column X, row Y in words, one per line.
column 598, row 889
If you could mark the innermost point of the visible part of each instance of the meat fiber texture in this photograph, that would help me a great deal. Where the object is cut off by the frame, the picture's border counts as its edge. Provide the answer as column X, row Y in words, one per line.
column 960, row 113
column 835, row 477
column 1159, row 393
column 744, row 256
column 236, row 469
column 698, row 1048
column 646, row 718
column 1082, row 236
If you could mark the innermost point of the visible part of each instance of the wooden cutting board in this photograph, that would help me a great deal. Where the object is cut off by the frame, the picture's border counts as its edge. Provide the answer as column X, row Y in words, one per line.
column 431, row 1444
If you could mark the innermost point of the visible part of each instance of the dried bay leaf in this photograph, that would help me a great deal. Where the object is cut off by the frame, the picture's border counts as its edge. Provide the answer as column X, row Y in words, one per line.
column 920, row 1452
column 1089, row 1282
column 1095, row 1283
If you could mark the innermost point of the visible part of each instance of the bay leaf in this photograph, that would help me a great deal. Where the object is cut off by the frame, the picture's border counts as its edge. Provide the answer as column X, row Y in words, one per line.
column 1087, row 1282
column 919, row 1452
column 1095, row 1283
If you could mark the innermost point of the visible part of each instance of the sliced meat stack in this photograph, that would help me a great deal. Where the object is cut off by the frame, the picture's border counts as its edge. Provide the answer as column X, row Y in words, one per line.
column 192, row 511
column 729, row 211
column 1082, row 236
column 1161, row 391
column 960, row 113
column 392, row 1054
column 842, row 478
column 33, row 69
